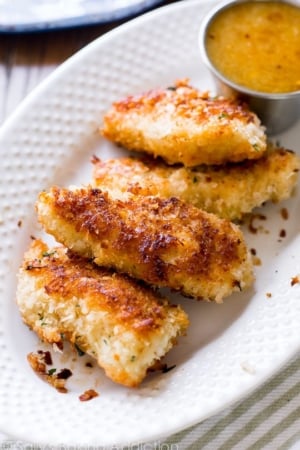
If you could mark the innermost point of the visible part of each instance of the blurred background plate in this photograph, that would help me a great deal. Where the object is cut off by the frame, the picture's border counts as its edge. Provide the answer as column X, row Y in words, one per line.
column 33, row 15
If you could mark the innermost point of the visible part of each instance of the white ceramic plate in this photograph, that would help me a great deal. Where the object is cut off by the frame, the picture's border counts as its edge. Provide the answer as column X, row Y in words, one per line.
column 230, row 349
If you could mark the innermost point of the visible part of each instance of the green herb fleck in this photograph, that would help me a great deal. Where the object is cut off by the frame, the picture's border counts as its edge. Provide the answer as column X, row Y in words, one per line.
column 79, row 351
column 133, row 358
column 171, row 88
column 45, row 254
column 256, row 147
column 223, row 115
column 41, row 317
column 36, row 264
column 51, row 371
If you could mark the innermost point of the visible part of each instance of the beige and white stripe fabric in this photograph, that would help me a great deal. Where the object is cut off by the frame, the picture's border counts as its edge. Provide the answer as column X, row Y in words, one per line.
column 269, row 419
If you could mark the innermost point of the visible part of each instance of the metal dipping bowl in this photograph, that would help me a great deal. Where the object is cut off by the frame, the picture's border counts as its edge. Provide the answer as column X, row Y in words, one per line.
column 277, row 111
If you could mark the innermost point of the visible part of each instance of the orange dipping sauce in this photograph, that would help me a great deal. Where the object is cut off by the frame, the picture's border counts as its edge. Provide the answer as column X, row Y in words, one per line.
column 256, row 44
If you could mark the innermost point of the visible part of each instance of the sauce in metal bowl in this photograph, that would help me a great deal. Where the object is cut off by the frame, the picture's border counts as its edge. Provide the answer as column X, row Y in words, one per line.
column 257, row 45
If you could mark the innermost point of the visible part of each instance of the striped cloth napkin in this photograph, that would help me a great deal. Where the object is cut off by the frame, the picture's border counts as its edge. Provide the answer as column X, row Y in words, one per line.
column 269, row 419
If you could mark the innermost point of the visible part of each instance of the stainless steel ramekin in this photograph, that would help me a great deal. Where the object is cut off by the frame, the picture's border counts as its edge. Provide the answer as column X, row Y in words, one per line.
column 277, row 111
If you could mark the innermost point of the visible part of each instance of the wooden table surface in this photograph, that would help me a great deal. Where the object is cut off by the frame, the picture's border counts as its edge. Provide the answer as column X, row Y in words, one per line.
column 26, row 59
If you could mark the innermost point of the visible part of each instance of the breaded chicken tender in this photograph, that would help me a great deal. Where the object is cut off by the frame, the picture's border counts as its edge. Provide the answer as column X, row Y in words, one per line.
column 164, row 242
column 229, row 191
column 126, row 326
column 183, row 125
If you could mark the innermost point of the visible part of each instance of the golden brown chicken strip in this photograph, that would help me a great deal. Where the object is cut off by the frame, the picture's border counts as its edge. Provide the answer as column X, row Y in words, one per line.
column 184, row 125
column 124, row 325
column 228, row 191
column 164, row 242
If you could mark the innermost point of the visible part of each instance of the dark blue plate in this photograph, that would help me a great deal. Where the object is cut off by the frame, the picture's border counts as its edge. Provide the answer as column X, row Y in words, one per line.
column 32, row 15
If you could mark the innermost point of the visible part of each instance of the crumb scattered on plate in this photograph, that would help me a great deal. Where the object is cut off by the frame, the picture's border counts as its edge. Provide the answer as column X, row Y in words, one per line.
column 88, row 395
column 38, row 363
column 295, row 280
